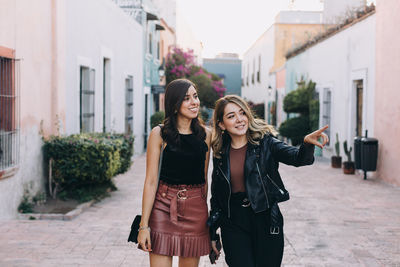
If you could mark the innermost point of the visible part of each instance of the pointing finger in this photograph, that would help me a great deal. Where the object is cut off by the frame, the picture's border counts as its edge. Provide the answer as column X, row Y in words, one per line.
column 323, row 128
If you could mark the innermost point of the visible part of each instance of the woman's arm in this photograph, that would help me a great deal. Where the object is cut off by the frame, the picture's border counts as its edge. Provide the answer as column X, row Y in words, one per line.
column 150, row 186
column 208, row 142
column 304, row 155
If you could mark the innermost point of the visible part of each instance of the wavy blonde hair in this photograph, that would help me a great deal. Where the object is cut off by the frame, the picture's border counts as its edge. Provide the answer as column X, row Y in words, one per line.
column 257, row 127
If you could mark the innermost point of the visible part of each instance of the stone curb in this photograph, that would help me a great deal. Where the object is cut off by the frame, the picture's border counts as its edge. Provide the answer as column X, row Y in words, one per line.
column 57, row 216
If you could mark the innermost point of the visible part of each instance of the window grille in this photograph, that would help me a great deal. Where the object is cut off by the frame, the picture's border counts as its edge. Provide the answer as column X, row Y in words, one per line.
column 129, row 105
column 9, row 113
column 87, row 90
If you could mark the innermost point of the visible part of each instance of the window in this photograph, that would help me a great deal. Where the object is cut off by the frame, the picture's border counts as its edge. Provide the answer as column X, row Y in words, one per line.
column 326, row 110
column 9, row 109
column 129, row 105
column 87, row 100
column 150, row 50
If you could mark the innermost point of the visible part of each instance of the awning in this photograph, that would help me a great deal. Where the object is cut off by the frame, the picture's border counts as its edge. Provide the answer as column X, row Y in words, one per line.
column 159, row 27
column 157, row 89
column 150, row 16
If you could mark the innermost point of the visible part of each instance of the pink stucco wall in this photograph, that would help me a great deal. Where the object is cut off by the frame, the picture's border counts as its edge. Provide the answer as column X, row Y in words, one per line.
column 280, row 78
column 387, row 103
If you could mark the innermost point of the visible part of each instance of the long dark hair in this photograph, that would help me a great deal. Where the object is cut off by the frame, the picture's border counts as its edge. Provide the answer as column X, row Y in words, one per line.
column 174, row 96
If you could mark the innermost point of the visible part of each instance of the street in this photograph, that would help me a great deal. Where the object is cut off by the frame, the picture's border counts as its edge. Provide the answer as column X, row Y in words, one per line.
column 332, row 219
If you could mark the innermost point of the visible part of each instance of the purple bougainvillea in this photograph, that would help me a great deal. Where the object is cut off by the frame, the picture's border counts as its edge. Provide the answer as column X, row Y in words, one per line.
column 181, row 64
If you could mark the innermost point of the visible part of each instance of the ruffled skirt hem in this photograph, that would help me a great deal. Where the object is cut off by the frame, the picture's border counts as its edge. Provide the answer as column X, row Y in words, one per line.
column 180, row 245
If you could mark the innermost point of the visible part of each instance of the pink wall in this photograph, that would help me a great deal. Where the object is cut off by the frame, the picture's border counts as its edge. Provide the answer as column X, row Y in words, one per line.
column 280, row 78
column 387, row 103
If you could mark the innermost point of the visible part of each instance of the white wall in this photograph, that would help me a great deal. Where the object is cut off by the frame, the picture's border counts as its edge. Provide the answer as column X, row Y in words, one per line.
column 96, row 30
column 25, row 26
column 335, row 63
column 264, row 46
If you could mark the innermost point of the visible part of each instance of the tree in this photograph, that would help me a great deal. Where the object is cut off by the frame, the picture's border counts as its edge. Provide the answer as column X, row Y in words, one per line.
column 181, row 64
column 302, row 102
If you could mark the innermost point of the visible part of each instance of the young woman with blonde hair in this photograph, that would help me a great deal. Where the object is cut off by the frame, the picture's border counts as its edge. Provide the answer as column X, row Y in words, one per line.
column 246, row 186
column 174, row 210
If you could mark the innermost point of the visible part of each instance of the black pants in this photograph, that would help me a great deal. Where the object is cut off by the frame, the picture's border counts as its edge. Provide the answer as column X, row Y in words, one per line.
column 247, row 239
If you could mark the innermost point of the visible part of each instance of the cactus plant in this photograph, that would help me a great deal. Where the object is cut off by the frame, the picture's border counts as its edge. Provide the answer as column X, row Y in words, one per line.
column 337, row 145
column 347, row 151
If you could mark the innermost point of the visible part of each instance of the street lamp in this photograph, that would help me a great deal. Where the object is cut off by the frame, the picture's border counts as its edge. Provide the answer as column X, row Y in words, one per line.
column 269, row 90
column 161, row 71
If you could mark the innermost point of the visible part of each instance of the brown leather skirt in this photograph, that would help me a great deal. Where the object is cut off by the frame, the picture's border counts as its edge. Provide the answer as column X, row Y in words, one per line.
column 178, row 221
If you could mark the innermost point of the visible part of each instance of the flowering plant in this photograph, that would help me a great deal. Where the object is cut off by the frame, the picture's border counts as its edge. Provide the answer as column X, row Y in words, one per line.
column 181, row 64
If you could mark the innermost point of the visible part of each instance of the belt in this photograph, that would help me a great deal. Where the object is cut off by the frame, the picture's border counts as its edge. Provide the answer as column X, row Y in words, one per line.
column 179, row 195
column 240, row 199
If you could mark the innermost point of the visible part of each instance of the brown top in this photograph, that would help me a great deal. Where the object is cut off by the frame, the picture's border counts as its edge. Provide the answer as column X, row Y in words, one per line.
column 237, row 158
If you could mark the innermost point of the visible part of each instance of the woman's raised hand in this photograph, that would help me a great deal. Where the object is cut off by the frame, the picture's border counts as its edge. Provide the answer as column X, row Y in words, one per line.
column 313, row 138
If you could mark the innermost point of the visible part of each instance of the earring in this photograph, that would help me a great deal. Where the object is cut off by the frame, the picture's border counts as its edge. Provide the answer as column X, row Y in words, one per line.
column 223, row 131
column 175, row 111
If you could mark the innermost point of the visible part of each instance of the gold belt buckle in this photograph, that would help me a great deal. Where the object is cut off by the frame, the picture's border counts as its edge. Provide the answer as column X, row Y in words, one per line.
column 183, row 191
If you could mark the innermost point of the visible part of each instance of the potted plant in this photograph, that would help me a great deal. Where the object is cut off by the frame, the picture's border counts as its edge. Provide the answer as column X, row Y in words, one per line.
column 348, row 166
column 336, row 161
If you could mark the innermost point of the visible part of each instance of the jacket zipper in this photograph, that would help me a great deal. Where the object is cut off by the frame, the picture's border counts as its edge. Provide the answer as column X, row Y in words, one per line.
column 280, row 190
column 230, row 190
column 265, row 191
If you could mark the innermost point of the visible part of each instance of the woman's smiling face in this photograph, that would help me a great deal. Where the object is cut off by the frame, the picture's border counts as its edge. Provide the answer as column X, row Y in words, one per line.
column 235, row 120
column 190, row 105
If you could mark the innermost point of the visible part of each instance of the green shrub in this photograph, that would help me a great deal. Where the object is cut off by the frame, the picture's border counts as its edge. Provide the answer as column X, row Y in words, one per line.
column 297, row 101
column 314, row 114
column 125, row 145
column 157, row 118
column 87, row 161
column 302, row 102
column 295, row 129
column 258, row 109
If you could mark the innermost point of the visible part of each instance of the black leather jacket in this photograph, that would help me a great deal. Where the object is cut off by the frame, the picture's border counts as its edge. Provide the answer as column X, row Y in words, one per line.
column 262, row 180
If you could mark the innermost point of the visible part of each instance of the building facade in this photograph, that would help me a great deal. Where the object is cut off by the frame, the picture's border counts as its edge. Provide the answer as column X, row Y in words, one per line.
column 387, row 105
column 228, row 67
column 343, row 67
column 266, row 57
column 63, row 69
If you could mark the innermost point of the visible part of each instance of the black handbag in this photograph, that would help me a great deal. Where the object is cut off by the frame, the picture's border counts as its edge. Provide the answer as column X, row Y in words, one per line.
column 133, row 235
column 134, row 229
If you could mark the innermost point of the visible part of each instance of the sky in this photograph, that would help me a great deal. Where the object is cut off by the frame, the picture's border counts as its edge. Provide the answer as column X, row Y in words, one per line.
column 232, row 26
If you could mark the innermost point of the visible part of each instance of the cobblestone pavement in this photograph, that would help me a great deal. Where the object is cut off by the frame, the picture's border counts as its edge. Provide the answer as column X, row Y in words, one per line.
column 331, row 220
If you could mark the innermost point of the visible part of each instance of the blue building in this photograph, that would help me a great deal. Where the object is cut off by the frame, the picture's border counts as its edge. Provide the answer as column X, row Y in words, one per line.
column 229, row 67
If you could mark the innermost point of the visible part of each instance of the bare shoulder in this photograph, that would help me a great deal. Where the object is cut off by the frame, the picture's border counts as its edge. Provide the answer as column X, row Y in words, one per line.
column 208, row 134
column 155, row 135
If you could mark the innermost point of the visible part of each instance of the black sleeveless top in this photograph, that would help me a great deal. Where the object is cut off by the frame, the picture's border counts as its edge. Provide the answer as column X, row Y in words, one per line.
column 184, row 164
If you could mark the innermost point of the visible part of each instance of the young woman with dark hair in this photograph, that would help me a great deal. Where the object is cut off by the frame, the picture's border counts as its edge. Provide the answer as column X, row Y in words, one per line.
column 246, row 186
column 174, row 211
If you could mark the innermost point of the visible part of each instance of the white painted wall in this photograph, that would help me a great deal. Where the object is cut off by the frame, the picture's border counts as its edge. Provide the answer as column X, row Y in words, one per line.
column 264, row 47
column 25, row 26
column 335, row 63
column 96, row 30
